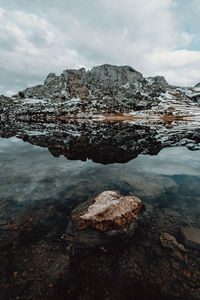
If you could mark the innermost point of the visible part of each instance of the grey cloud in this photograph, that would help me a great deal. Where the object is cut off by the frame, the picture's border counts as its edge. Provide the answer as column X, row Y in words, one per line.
column 49, row 36
column 17, row 81
column 38, row 39
column 8, row 44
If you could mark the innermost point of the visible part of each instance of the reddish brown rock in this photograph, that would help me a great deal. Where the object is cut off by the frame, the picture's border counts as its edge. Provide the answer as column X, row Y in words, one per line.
column 169, row 241
column 109, row 211
column 104, row 220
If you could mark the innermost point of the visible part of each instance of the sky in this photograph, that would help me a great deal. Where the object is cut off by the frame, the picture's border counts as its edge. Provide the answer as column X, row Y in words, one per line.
column 155, row 37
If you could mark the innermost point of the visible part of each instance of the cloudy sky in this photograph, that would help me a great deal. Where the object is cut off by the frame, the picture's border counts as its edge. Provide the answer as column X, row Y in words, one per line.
column 156, row 37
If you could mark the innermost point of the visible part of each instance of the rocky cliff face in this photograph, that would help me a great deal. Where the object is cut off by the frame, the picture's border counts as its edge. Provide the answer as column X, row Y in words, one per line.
column 103, row 89
column 79, row 83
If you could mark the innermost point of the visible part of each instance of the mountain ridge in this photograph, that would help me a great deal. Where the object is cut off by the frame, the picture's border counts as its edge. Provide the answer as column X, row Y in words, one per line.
column 105, row 89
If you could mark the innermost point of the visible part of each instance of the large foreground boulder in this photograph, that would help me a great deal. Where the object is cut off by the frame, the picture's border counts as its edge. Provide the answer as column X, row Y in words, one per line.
column 104, row 220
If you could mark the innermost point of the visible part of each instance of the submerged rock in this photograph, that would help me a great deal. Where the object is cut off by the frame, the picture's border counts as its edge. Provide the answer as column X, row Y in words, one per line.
column 110, row 211
column 103, row 220
column 191, row 236
column 169, row 241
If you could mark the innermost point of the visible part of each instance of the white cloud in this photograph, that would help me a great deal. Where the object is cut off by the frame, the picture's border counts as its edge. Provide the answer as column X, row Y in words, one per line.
column 148, row 35
column 181, row 67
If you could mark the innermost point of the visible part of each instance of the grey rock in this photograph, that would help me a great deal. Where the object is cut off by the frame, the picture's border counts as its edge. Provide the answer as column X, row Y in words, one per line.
column 196, row 98
column 73, row 73
column 113, row 75
column 50, row 77
column 158, row 81
column 197, row 85
column 76, row 83
column 5, row 100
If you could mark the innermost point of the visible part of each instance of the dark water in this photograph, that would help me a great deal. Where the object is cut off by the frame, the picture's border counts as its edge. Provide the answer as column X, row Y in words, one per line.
column 41, row 189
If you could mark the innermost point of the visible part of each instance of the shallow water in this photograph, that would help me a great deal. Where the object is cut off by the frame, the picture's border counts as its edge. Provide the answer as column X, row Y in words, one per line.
column 33, row 181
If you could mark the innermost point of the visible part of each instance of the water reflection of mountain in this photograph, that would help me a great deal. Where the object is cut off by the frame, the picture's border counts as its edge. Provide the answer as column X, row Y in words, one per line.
column 103, row 142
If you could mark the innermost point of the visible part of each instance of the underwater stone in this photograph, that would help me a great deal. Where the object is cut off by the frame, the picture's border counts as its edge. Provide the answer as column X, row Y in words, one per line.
column 105, row 219
column 191, row 236
column 110, row 211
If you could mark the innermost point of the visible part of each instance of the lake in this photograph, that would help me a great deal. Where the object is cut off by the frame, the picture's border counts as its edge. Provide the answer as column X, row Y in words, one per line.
column 38, row 191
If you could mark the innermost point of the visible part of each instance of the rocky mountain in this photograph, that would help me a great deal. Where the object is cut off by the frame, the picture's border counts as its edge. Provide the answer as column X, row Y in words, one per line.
column 106, row 89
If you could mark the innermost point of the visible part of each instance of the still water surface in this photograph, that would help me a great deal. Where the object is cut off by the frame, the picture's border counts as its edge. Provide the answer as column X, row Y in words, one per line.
column 31, row 173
